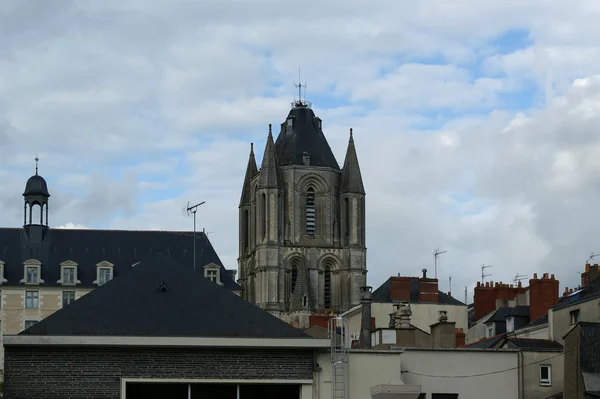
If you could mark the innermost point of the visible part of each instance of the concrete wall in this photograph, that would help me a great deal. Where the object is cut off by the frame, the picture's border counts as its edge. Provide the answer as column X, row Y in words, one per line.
column 368, row 369
column 531, row 374
column 97, row 372
column 538, row 333
column 560, row 320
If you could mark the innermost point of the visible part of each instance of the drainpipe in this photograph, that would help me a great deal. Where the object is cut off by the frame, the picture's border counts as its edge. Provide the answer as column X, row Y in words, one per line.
column 316, row 371
column 522, row 372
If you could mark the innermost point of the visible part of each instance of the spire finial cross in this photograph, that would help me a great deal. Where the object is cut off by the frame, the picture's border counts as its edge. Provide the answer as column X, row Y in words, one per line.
column 37, row 159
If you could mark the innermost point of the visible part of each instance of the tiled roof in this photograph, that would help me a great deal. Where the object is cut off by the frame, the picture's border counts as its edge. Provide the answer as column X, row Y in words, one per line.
column 160, row 298
column 123, row 248
column 383, row 294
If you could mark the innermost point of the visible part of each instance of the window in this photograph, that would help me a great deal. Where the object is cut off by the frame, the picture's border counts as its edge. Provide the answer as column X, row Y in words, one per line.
column 310, row 212
column 32, row 272
column 104, row 272
column 304, row 301
column 327, row 287
column 2, row 279
column 346, row 218
column 67, row 298
column 545, row 375
column 104, row 275
column 245, row 231
column 294, row 277
column 68, row 276
column 32, row 299
column 574, row 316
column 212, row 271
column 29, row 323
column 510, row 324
column 263, row 216
column 211, row 275
column 490, row 331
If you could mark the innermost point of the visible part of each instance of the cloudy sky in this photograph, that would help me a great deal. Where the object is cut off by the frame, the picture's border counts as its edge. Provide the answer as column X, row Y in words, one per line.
column 476, row 122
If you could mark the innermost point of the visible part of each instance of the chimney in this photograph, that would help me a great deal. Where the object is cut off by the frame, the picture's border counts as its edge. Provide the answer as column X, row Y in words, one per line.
column 402, row 313
column 443, row 333
column 428, row 289
column 543, row 294
column 460, row 337
column 590, row 275
column 400, row 288
column 365, row 325
column 484, row 300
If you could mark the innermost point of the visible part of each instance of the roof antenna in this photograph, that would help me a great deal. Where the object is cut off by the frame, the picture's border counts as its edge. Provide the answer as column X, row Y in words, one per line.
column 37, row 159
column 300, row 86
column 192, row 210
column 592, row 255
column 436, row 253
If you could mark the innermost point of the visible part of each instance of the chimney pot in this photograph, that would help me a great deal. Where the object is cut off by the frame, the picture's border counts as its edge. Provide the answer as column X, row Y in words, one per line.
column 479, row 284
column 424, row 273
column 519, row 284
column 535, row 276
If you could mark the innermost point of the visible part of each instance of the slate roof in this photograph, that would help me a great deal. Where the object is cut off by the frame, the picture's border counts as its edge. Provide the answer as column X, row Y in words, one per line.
column 501, row 314
column 36, row 185
column 160, row 298
column 383, row 294
column 592, row 291
column 534, row 344
column 304, row 136
column 486, row 342
column 123, row 248
column 537, row 322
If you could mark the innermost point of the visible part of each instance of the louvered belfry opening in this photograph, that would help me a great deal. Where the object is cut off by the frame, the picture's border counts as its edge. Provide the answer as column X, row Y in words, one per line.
column 310, row 212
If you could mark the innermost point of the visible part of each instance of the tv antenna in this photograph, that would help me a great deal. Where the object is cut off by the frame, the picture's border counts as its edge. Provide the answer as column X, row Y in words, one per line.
column 300, row 86
column 519, row 277
column 450, row 283
column 192, row 210
column 436, row 253
column 466, row 295
column 483, row 274
column 592, row 256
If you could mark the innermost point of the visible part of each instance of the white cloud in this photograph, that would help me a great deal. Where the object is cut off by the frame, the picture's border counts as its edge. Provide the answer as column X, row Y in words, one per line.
column 136, row 108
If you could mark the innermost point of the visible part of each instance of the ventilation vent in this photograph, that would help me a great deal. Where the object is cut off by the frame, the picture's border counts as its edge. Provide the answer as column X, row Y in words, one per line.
column 163, row 287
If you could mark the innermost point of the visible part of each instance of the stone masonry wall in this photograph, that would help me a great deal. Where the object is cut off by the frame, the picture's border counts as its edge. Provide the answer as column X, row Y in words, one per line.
column 97, row 372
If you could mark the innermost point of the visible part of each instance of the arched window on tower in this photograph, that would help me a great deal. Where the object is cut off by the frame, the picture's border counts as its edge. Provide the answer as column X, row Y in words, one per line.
column 246, row 230
column 346, row 218
column 310, row 212
column 294, row 277
column 263, row 216
column 327, row 287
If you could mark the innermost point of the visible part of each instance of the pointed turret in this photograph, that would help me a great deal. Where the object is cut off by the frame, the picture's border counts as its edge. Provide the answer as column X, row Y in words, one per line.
column 351, row 177
column 270, row 175
column 251, row 170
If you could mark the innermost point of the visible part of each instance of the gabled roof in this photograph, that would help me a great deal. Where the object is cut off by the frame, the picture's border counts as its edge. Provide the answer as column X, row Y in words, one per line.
column 305, row 135
column 87, row 248
column 383, row 294
column 160, row 298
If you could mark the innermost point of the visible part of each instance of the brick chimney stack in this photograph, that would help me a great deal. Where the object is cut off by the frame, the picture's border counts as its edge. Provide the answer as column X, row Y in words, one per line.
column 428, row 289
column 590, row 275
column 400, row 288
column 543, row 294
column 491, row 296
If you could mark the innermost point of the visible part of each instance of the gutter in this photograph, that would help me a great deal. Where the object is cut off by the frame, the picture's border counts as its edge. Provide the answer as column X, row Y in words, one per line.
column 522, row 373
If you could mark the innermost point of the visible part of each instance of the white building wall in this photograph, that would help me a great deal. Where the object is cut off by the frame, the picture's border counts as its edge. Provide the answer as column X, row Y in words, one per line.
column 367, row 369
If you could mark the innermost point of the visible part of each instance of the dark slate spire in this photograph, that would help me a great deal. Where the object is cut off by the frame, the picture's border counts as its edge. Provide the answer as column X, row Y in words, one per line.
column 251, row 170
column 301, row 132
column 351, row 177
column 270, row 176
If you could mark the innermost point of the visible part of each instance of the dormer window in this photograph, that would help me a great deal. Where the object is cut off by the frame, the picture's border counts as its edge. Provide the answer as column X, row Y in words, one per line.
column 510, row 324
column 68, row 273
column 104, row 273
column 32, row 272
column 212, row 272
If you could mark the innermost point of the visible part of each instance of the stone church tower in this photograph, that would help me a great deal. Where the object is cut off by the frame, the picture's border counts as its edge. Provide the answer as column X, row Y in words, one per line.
column 302, row 223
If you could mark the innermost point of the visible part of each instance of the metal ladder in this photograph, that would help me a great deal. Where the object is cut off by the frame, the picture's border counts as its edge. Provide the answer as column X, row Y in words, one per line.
column 338, row 334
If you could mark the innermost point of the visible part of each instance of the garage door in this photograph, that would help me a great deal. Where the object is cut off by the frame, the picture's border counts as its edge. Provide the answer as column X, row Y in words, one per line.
column 138, row 390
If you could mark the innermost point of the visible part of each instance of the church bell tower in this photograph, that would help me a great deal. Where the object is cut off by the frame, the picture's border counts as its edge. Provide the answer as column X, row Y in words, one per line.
column 302, row 244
